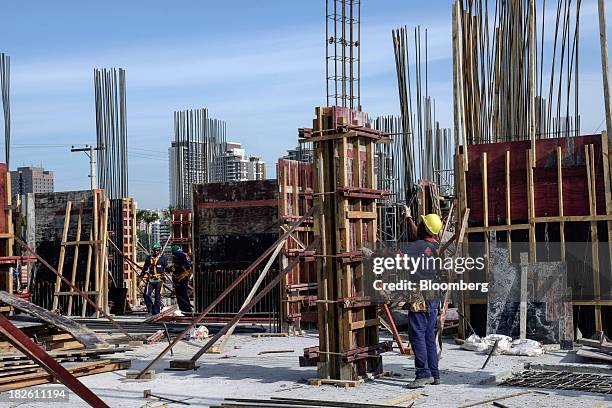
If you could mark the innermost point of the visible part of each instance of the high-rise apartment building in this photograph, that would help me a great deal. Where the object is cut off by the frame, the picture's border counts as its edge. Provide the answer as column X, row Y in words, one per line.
column 31, row 180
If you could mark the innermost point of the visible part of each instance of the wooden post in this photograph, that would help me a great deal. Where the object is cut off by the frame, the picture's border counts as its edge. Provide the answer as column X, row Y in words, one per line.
column 560, row 199
column 485, row 209
column 591, row 183
column 60, row 263
column 605, row 153
column 531, row 210
column 605, row 69
column 75, row 259
column 458, row 67
column 523, row 305
column 508, row 207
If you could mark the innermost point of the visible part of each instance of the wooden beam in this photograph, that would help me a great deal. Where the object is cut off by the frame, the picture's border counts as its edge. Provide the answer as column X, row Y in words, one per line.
column 560, row 200
column 508, row 206
column 523, row 304
column 60, row 263
column 22, row 342
column 605, row 69
column 592, row 187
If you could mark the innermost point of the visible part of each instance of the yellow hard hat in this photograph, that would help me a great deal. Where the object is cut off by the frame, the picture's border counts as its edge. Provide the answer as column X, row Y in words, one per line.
column 433, row 223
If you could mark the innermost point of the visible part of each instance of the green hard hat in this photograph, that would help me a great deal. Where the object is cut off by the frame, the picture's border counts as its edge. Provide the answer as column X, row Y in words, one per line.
column 156, row 246
column 175, row 248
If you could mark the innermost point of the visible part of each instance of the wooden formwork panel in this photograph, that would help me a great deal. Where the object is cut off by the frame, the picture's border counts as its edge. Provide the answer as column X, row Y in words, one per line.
column 299, row 288
column 71, row 234
column 565, row 197
column 233, row 224
column 345, row 222
column 6, row 227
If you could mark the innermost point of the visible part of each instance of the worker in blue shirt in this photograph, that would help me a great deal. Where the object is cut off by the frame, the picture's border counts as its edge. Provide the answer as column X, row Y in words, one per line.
column 181, row 273
column 423, row 309
column 153, row 274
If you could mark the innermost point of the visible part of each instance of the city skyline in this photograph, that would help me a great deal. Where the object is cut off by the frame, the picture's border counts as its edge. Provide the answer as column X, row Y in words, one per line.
column 263, row 82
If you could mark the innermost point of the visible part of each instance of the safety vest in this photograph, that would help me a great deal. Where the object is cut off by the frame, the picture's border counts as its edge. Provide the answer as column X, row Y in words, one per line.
column 153, row 273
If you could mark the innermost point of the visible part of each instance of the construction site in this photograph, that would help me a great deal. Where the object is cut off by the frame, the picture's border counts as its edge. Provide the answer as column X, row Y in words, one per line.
column 264, row 290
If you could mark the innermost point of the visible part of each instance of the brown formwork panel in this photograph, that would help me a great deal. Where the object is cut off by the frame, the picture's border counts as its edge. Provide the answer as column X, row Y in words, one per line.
column 345, row 195
column 569, row 187
column 299, row 287
column 6, row 227
column 233, row 224
column 72, row 233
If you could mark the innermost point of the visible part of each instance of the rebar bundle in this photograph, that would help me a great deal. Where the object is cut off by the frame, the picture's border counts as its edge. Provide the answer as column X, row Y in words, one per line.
column 514, row 76
column 5, row 74
column 196, row 153
column 343, row 53
column 111, row 131
column 419, row 147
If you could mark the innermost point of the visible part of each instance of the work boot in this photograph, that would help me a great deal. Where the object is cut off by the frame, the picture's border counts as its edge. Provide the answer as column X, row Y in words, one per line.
column 420, row 382
column 436, row 381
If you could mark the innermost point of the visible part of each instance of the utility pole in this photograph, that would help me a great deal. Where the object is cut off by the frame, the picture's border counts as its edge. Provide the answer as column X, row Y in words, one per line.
column 89, row 152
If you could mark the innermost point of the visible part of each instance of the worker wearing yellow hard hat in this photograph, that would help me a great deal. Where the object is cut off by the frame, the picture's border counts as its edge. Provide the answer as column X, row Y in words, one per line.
column 423, row 306
column 433, row 223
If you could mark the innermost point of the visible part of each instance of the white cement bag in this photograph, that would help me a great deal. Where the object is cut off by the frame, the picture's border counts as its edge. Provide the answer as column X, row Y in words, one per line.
column 475, row 343
column 505, row 345
column 526, row 347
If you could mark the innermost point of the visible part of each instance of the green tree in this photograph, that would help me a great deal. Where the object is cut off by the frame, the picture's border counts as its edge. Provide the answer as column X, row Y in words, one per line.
column 148, row 217
column 167, row 213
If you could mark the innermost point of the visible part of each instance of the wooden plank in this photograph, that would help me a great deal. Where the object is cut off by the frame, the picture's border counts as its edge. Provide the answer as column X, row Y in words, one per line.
column 361, row 215
column 485, row 204
column 508, row 205
column 96, row 249
column 55, row 370
column 591, row 183
column 81, row 370
column 560, row 199
column 605, row 150
column 75, row 258
column 364, row 323
column 81, row 333
column 605, row 69
column 531, row 209
column 103, row 286
column 337, row 383
column 60, row 266
column 496, row 228
column 523, row 304
column 88, row 272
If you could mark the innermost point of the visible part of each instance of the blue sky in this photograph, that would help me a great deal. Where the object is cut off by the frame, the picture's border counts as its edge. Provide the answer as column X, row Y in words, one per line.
column 258, row 65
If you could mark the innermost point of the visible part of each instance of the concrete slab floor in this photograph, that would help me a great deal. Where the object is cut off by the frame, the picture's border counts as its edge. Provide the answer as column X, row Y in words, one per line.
column 240, row 372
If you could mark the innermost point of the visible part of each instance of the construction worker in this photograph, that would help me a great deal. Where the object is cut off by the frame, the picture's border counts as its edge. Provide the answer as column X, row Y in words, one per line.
column 153, row 273
column 424, row 305
column 181, row 272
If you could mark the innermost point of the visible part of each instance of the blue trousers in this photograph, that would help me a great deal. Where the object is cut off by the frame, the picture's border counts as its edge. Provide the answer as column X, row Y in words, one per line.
column 422, row 331
column 153, row 306
column 182, row 295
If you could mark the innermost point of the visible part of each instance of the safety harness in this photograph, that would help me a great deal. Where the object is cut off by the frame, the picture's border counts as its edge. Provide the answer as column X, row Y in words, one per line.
column 153, row 273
